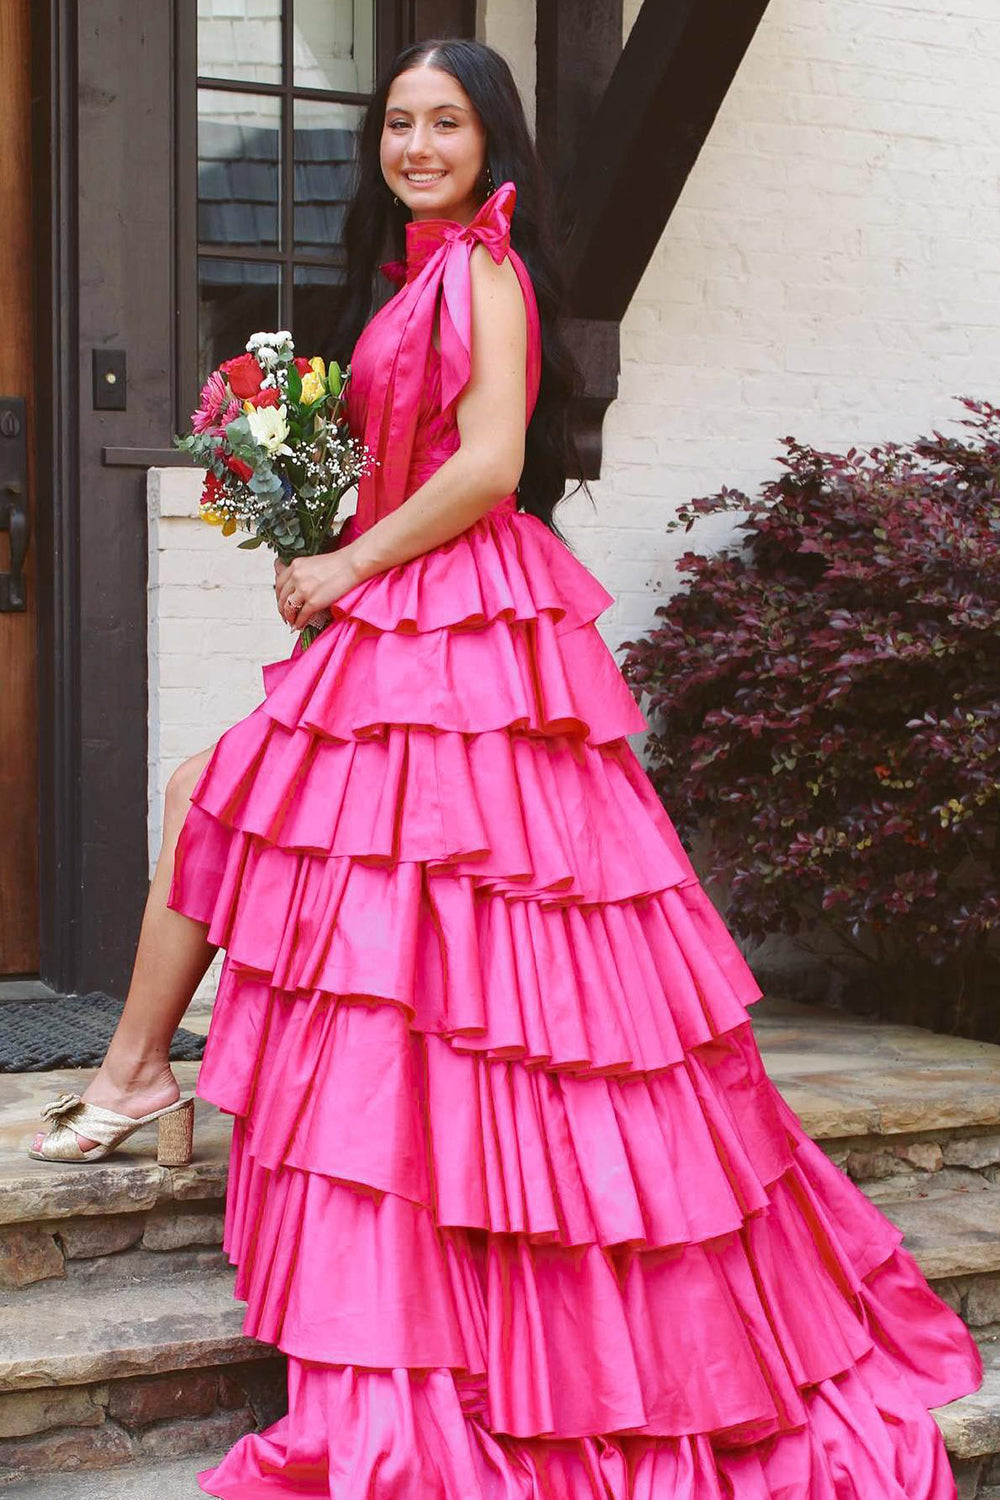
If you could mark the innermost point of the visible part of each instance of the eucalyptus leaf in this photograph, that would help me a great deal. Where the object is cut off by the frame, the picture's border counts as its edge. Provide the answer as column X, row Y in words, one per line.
column 264, row 482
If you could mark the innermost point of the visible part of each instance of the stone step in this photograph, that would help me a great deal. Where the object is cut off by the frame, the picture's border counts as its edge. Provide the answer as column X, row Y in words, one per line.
column 955, row 1237
column 913, row 1118
column 104, row 1373
column 136, row 1481
column 116, row 1328
column 850, row 1078
column 970, row 1427
column 115, row 1246
column 901, row 1110
column 952, row 1234
column 129, row 1181
column 125, row 1214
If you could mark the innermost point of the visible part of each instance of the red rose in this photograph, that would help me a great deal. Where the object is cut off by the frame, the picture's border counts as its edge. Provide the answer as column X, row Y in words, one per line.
column 268, row 395
column 244, row 375
column 302, row 364
column 238, row 467
column 211, row 490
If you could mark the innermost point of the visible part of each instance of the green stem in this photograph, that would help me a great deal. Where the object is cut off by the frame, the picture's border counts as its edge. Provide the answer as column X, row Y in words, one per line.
column 308, row 634
column 826, row 921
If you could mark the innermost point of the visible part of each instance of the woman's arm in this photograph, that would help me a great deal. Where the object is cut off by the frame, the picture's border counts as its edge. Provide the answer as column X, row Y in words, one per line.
column 490, row 414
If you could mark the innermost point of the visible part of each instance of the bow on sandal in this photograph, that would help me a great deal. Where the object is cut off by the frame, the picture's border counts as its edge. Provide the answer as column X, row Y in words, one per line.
column 71, row 1117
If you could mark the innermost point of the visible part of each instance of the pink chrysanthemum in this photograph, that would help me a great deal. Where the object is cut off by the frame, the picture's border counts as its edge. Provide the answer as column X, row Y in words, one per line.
column 214, row 411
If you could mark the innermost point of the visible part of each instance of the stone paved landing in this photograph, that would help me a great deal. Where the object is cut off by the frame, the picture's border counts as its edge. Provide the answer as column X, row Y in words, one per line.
column 847, row 1076
column 172, row 1481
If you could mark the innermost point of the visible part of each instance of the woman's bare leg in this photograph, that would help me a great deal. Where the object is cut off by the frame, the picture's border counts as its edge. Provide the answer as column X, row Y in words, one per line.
column 171, row 959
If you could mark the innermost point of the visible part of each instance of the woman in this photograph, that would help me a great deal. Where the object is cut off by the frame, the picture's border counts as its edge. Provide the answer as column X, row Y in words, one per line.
column 508, row 1181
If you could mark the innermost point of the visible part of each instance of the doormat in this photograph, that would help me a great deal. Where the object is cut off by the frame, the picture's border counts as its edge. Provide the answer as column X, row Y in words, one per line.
column 70, row 1031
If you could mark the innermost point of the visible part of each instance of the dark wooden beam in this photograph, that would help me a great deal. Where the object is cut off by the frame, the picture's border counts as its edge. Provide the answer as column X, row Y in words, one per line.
column 57, row 537
column 577, row 48
column 618, row 131
column 641, row 141
column 124, row 298
column 442, row 18
column 393, row 19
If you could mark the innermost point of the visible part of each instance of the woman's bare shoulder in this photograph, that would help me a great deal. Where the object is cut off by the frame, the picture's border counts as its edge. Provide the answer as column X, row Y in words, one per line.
column 497, row 295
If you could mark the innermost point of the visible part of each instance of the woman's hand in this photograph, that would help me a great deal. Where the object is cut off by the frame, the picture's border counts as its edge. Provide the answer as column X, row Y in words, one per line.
column 307, row 585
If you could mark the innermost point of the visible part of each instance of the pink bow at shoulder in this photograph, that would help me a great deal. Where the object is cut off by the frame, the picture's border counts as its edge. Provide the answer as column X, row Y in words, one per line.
column 490, row 225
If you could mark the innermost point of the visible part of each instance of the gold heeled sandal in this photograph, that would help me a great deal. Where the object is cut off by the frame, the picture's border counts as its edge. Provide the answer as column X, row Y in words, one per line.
column 71, row 1117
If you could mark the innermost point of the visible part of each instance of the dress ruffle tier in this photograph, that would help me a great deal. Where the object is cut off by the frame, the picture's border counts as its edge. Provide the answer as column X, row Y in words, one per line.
column 509, row 1184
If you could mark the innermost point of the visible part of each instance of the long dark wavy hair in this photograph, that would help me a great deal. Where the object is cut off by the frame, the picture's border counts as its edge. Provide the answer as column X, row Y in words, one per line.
column 375, row 230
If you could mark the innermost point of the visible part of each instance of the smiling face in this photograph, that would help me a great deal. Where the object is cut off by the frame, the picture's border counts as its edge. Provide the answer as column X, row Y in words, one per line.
column 433, row 146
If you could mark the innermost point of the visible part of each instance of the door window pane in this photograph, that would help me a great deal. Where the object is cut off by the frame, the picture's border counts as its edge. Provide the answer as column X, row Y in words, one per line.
column 324, row 172
column 239, row 139
column 235, row 299
column 240, row 39
column 275, row 171
column 334, row 45
column 316, row 298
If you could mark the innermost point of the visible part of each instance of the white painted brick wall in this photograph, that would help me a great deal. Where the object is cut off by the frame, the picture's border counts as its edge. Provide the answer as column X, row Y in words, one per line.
column 832, row 270
column 212, row 625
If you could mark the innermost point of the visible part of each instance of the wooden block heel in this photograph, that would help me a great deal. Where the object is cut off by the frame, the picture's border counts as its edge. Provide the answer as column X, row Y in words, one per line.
column 175, row 1136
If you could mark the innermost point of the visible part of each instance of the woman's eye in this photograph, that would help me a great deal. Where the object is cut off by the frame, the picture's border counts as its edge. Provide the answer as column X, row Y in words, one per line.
column 394, row 123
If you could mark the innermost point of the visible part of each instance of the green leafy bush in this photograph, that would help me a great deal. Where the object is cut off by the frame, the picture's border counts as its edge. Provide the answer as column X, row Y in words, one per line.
column 824, row 705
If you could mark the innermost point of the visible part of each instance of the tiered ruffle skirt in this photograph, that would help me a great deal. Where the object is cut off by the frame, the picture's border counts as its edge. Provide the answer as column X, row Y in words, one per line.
column 509, row 1184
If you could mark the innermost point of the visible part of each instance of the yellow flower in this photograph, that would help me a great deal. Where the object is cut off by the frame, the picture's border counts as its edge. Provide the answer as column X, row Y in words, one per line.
column 319, row 365
column 211, row 516
column 313, row 387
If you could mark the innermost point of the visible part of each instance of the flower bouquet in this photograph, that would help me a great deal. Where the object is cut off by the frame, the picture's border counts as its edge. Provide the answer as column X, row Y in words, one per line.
column 271, row 432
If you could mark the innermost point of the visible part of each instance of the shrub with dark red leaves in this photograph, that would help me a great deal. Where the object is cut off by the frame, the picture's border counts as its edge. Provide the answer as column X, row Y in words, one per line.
column 824, row 706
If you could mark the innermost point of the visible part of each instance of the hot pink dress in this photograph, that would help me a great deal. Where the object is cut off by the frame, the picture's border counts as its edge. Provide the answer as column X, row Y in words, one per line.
column 509, row 1183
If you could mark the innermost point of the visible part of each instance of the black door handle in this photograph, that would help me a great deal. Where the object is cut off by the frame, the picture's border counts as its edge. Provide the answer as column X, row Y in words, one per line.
column 13, row 499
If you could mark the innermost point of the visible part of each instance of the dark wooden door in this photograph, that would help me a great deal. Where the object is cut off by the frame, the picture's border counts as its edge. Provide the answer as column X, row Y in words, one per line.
column 18, row 632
